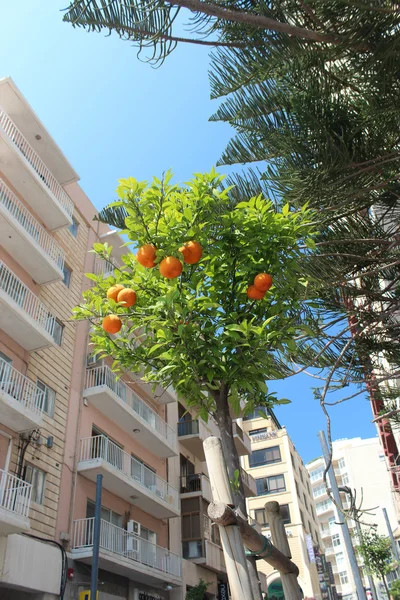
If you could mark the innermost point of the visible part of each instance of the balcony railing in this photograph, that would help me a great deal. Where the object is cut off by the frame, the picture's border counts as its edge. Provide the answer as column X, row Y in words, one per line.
column 104, row 376
column 238, row 431
column 103, row 267
column 21, row 388
column 100, row 446
column 15, row 494
column 37, row 233
column 31, row 156
column 247, row 479
column 120, row 542
column 188, row 428
column 194, row 483
column 17, row 291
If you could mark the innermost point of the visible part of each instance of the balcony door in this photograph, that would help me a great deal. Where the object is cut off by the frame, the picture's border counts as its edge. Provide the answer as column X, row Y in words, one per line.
column 189, row 480
column 112, row 536
column 107, row 449
column 143, row 473
column 5, row 374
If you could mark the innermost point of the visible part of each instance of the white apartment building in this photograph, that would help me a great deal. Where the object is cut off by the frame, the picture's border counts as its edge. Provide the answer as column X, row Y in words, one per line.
column 360, row 465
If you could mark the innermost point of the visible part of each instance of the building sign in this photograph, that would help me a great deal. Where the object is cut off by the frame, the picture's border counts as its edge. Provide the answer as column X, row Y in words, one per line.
column 265, row 435
column 310, row 548
column 222, row 591
column 141, row 595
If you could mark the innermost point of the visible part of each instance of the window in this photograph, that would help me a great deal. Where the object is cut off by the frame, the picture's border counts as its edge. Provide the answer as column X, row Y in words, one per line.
column 341, row 463
column 260, row 431
column 335, row 539
column 305, row 501
column 266, row 456
column 67, row 275
column 345, row 479
column 317, row 474
column 192, row 549
column 106, row 514
column 5, row 371
column 37, row 478
column 343, row 577
column 301, row 476
column 148, row 535
column 339, row 558
column 258, row 413
column 270, row 485
column 332, row 522
column 74, row 227
column 308, row 487
column 323, row 506
column 49, row 397
column 260, row 515
column 297, row 489
column 292, row 459
column 319, row 490
column 309, row 528
column 302, row 518
column 58, row 332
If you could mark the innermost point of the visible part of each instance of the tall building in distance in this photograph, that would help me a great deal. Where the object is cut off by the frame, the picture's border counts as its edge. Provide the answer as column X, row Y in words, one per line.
column 280, row 475
column 360, row 465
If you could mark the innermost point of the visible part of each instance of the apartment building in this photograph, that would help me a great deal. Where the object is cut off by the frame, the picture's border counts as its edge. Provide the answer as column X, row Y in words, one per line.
column 360, row 465
column 65, row 418
column 280, row 475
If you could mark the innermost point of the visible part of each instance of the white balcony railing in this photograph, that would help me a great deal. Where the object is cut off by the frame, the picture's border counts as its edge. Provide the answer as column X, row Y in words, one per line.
column 120, row 542
column 31, row 156
column 103, row 267
column 21, row 388
column 15, row 494
column 104, row 376
column 100, row 446
column 21, row 214
column 17, row 291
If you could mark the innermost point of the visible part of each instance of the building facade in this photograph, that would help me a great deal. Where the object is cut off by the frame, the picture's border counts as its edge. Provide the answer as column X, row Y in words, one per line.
column 65, row 418
column 280, row 475
column 360, row 465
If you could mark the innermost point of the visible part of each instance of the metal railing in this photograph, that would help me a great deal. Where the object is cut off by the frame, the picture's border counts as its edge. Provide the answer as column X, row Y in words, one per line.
column 15, row 494
column 238, row 431
column 21, row 214
column 188, row 428
column 34, row 160
column 103, row 267
column 17, row 291
column 21, row 388
column 120, row 542
column 100, row 446
column 104, row 376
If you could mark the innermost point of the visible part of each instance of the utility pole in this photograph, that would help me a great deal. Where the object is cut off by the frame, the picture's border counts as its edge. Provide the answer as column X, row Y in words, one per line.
column 390, row 532
column 345, row 530
column 96, row 539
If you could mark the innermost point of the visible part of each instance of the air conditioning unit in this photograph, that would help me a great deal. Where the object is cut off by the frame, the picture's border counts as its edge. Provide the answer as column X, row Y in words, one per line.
column 133, row 527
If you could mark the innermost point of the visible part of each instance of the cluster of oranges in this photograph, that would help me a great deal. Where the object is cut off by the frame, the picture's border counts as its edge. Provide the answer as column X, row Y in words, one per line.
column 127, row 297
column 261, row 284
column 170, row 267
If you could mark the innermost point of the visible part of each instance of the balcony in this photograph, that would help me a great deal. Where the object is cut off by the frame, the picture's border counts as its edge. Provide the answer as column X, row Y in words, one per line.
column 126, row 477
column 197, row 484
column 191, row 435
column 126, row 554
column 103, row 267
column 325, row 533
column 23, row 167
column 329, row 551
column 241, row 439
column 120, row 404
column 22, row 315
column 21, row 401
column 205, row 553
column 249, row 483
column 15, row 499
column 27, row 241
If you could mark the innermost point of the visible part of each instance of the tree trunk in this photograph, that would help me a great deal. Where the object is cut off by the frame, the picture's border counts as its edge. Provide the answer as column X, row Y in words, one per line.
column 386, row 585
column 224, row 422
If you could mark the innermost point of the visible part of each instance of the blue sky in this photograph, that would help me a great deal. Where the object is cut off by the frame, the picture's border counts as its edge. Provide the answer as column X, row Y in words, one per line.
column 114, row 116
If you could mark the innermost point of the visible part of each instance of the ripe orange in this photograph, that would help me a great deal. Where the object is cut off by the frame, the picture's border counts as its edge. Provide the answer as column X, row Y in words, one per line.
column 147, row 255
column 127, row 296
column 112, row 324
column 254, row 294
column 113, row 291
column 170, row 267
column 192, row 252
column 263, row 281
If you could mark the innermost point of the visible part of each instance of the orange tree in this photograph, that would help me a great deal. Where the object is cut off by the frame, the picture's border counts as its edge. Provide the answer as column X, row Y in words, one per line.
column 218, row 300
